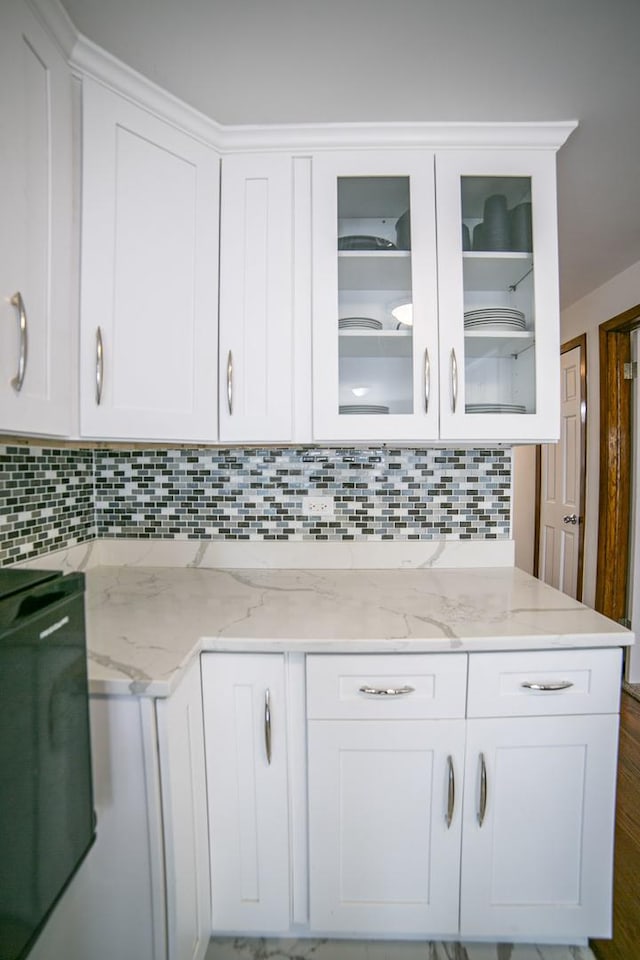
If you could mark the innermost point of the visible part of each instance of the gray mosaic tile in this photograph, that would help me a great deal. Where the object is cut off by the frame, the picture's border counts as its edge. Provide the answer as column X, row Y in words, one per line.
column 53, row 498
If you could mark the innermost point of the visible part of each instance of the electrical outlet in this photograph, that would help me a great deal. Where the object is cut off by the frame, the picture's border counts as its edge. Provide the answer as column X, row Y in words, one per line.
column 318, row 506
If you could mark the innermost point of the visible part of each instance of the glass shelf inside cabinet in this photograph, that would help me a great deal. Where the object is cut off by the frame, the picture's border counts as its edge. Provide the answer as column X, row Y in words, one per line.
column 374, row 322
column 499, row 305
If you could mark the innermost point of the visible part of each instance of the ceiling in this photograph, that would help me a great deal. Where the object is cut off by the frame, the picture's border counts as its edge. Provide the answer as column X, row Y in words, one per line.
column 279, row 61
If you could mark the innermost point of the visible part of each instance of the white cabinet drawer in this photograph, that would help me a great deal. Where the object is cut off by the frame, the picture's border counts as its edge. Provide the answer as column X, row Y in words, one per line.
column 544, row 683
column 386, row 686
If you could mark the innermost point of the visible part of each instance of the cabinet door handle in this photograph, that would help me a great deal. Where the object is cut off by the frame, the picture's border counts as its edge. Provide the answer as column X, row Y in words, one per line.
column 558, row 685
column 453, row 366
column 18, row 303
column 267, row 724
column 230, row 382
column 451, row 792
column 482, row 807
column 386, row 691
column 99, row 366
column 427, row 380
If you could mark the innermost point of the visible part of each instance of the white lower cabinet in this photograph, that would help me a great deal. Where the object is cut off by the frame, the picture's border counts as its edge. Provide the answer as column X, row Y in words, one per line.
column 246, row 750
column 447, row 795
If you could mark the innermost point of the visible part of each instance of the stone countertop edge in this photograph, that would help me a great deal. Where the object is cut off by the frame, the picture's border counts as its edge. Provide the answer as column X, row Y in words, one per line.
column 147, row 625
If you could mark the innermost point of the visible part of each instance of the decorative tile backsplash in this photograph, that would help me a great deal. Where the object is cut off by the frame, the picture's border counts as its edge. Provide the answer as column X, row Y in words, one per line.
column 46, row 500
column 53, row 498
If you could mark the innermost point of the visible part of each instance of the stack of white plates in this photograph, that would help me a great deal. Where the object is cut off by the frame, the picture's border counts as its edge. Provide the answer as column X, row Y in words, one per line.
column 495, row 408
column 497, row 318
column 359, row 323
column 362, row 408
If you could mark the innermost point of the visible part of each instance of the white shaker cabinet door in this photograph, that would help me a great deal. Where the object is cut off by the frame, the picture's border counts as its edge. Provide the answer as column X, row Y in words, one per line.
column 184, row 811
column 246, row 751
column 256, row 303
column 149, row 275
column 538, row 827
column 384, row 826
column 36, row 333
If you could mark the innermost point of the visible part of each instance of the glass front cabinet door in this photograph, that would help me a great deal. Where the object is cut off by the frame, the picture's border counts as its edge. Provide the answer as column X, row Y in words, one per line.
column 375, row 344
column 498, row 296
column 435, row 296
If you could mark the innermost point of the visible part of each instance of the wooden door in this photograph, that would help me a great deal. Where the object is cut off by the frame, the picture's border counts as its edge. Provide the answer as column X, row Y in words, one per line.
column 383, row 857
column 538, row 863
column 561, row 485
column 149, row 275
column 246, row 751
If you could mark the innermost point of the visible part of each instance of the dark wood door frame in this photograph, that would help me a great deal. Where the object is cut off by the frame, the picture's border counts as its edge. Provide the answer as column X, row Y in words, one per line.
column 615, row 464
column 581, row 342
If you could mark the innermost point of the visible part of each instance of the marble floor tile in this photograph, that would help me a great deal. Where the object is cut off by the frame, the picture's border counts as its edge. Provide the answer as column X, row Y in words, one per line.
column 238, row 948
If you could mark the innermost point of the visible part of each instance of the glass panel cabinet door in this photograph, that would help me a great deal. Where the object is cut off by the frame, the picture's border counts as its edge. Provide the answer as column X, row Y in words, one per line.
column 499, row 323
column 375, row 342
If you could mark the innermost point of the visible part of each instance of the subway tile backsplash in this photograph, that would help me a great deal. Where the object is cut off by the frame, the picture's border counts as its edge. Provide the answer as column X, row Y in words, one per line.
column 46, row 500
column 54, row 498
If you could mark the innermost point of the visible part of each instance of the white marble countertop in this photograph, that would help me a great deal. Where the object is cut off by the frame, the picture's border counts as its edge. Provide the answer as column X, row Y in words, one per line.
column 145, row 624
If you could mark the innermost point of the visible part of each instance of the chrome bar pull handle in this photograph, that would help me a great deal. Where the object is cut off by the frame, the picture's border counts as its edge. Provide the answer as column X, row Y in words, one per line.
column 546, row 687
column 386, row 691
column 230, row 382
column 427, row 380
column 482, row 807
column 18, row 303
column 451, row 792
column 453, row 366
column 99, row 366
column 267, row 724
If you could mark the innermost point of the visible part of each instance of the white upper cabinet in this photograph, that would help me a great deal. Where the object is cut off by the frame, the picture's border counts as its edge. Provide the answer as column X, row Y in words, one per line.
column 417, row 339
column 149, row 275
column 375, row 341
column 498, row 295
column 256, row 305
column 36, row 197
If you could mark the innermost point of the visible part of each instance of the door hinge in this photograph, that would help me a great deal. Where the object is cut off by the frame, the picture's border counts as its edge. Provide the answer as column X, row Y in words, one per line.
column 630, row 370
column 625, row 622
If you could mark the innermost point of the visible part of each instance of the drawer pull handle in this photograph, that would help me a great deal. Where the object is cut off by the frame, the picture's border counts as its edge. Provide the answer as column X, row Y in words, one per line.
column 427, row 381
column 546, row 687
column 386, row 691
column 482, row 808
column 18, row 303
column 267, row 724
column 453, row 372
column 451, row 792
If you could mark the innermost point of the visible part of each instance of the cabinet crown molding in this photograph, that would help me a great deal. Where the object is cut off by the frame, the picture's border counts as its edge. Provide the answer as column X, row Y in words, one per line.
column 89, row 59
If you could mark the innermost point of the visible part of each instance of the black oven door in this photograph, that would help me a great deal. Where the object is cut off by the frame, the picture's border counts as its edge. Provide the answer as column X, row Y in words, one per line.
column 47, row 821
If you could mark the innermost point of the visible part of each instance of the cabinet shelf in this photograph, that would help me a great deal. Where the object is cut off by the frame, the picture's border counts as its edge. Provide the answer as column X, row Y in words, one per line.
column 374, row 269
column 485, row 270
column 497, row 343
column 375, row 343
